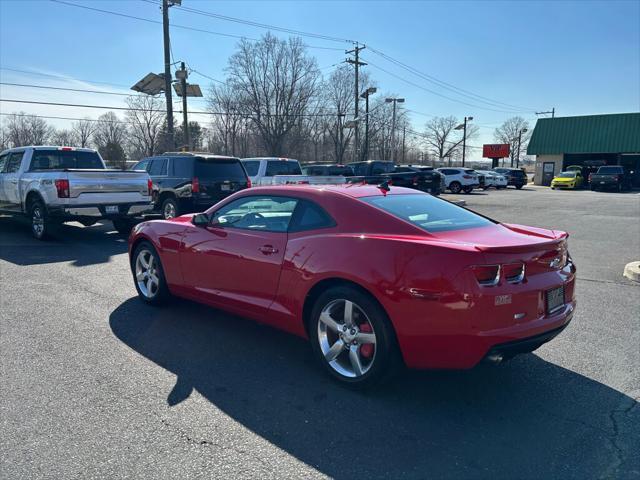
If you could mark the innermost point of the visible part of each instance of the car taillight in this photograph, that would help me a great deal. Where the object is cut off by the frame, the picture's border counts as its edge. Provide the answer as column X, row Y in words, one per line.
column 616, row 177
column 415, row 180
column 248, row 183
column 62, row 186
column 513, row 272
column 195, row 185
column 487, row 275
column 590, row 175
column 149, row 187
column 468, row 177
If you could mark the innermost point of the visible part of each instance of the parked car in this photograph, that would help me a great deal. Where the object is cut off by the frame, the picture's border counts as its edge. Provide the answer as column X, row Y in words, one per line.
column 567, row 180
column 374, row 277
column 331, row 169
column 61, row 184
column 515, row 176
column 186, row 182
column 460, row 179
column 610, row 178
column 493, row 179
column 378, row 171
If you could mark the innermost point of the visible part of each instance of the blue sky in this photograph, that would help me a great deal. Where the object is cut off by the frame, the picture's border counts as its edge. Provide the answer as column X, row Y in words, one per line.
column 579, row 57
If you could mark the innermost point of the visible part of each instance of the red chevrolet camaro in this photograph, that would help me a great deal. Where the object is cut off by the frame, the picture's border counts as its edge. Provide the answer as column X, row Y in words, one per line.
column 374, row 277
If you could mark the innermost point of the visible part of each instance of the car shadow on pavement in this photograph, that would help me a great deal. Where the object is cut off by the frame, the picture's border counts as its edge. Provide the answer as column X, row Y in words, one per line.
column 525, row 419
column 67, row 243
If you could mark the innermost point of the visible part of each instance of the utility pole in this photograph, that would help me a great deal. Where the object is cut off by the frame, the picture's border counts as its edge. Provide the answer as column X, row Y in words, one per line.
column 365, row 95
column 167, row 71
column 404, row 133
column 463, row 127
column 552, row 112
column 393, row 126
column 522, row 130
column 185, row 125
column 357, row 63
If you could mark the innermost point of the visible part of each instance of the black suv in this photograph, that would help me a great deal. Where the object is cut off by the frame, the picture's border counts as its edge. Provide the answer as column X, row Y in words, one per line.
column 192, row 182
column 328, row 170
column 515, row 176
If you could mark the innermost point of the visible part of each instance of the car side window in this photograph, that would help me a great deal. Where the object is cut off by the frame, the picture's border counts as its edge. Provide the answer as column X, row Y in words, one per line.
column 158, row 167
column 309, row 216
column 12, row 164
column 142, row 165
column 3, row 160
column 262, row 213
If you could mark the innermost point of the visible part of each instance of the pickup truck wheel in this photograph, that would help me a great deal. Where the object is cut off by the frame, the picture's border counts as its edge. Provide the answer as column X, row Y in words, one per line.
column 169, row 208
column 123, row 226
column 455, row 187
column 148, row 274
column 39, row 223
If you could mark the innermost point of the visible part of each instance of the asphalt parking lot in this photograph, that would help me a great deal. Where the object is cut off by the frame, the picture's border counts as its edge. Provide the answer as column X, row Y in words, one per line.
column 96, row 384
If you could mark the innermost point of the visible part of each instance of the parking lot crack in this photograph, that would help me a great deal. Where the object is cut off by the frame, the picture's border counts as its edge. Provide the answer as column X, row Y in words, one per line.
column 611, row 282
column 616, row 417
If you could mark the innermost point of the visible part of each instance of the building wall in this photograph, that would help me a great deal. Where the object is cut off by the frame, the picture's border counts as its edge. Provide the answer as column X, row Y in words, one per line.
column 541, row 159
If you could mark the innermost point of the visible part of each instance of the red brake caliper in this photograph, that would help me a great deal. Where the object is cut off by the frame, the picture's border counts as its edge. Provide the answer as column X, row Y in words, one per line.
column 366, row 350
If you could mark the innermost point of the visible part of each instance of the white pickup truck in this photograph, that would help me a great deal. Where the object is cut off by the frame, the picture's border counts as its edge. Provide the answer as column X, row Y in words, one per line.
column 282, row 171
column 59, row 184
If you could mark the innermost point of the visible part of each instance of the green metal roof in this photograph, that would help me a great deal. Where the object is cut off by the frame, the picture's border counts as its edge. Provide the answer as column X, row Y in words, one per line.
column 613, row 133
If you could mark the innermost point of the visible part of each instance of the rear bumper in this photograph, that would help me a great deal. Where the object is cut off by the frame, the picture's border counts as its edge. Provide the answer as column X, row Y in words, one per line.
column 100, row 211
column 507, row 350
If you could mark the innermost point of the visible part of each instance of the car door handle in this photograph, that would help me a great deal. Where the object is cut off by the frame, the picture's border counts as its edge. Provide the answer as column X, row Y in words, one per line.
column 268, row 249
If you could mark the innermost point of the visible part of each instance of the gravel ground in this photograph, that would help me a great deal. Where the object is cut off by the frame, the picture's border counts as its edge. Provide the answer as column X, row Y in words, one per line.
column 95, row 384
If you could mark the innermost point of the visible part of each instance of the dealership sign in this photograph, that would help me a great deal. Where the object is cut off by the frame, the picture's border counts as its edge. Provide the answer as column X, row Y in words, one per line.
column 496, row 150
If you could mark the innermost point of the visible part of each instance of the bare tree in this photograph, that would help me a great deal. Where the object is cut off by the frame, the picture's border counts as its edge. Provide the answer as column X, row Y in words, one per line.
column 509, row 133
column 109, row 137
column 64, row 137
column 83, row 130
column 146, row 118
column 443, row 139
column 4, row 137
column 23, row 129
column 277, row 80
column 223, row 99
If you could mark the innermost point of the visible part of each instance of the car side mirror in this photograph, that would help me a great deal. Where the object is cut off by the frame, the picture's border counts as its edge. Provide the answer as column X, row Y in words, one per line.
column 200, row 220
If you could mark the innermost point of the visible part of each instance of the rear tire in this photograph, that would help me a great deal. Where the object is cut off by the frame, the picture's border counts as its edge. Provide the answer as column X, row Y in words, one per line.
column 169, row 208
column 467, row 190
column 455, row 187
column 333, row 331
column 39, row 220
column 148, row 275
column 123, row 225
column 519, row 187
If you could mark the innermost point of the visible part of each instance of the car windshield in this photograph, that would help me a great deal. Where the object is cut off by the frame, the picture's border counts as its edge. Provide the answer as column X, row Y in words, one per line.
column 219, row 169
column 427, row 212
column 567, row 175
column 61, row 159
column 610, row 170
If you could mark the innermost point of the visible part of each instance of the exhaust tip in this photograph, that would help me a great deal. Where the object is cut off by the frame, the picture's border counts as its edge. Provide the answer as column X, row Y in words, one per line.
column 494, row 358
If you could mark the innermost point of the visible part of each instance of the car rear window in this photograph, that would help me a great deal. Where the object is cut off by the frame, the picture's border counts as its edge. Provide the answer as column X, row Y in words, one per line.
column 427, row 212
column 61, row 159
column 252, row 167
column 219, row 169
column 610, row 170
column 282, row 167
column 339, row 170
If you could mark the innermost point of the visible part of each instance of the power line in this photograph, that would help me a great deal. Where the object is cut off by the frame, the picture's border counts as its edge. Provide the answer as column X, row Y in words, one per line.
column 104, row 107
column 63, row 77
column 68, row 89
column 434, row 92
column 61, row 118
column 450, row 87
column 259, row 25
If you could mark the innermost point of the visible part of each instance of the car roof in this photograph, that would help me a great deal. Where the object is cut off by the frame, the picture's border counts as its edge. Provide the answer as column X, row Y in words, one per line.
column 194, row 155
column 282, row 159
column 350, row 190
column 49, row 147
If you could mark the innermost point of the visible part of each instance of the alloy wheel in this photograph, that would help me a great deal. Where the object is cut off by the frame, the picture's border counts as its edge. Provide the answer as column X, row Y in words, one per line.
column 169, row 210
column 347, row 338
column 147, row 274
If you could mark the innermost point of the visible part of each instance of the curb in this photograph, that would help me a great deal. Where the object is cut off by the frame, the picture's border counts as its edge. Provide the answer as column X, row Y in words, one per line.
column 460, row 203
column 632, row 271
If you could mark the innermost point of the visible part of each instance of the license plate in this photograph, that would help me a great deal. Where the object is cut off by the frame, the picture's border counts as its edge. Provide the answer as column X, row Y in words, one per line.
column 225, row 188
column 111, row 209
column 601, row 183
column 555, row 299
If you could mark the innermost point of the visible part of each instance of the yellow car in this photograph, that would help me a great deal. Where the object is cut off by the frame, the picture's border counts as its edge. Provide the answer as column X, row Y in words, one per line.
column 572, row 179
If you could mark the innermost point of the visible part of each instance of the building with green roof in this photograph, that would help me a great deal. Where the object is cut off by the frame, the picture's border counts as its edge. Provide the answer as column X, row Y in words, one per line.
column 588, row 141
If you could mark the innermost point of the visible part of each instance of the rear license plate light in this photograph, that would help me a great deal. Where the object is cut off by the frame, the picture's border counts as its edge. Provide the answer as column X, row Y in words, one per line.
column 225, row 188
column 554, row 299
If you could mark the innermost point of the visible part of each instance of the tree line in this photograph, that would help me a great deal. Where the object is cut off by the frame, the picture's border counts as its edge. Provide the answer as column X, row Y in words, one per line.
column 274, row 102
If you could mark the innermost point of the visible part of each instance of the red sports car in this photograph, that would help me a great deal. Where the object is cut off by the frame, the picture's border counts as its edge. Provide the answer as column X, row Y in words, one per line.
column 375, row 277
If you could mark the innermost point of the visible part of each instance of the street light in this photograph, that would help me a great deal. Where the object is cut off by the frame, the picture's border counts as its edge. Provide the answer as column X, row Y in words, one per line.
column 522, row 130
column 393, row 124
column 463, row 126
column 365, row 95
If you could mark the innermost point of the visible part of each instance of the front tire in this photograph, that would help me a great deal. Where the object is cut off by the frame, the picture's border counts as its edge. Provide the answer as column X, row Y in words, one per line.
column 352, row 337
column 467, row 190
column 148, row 274
column 39, row 220
column 519, row 187
column 455, row 187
